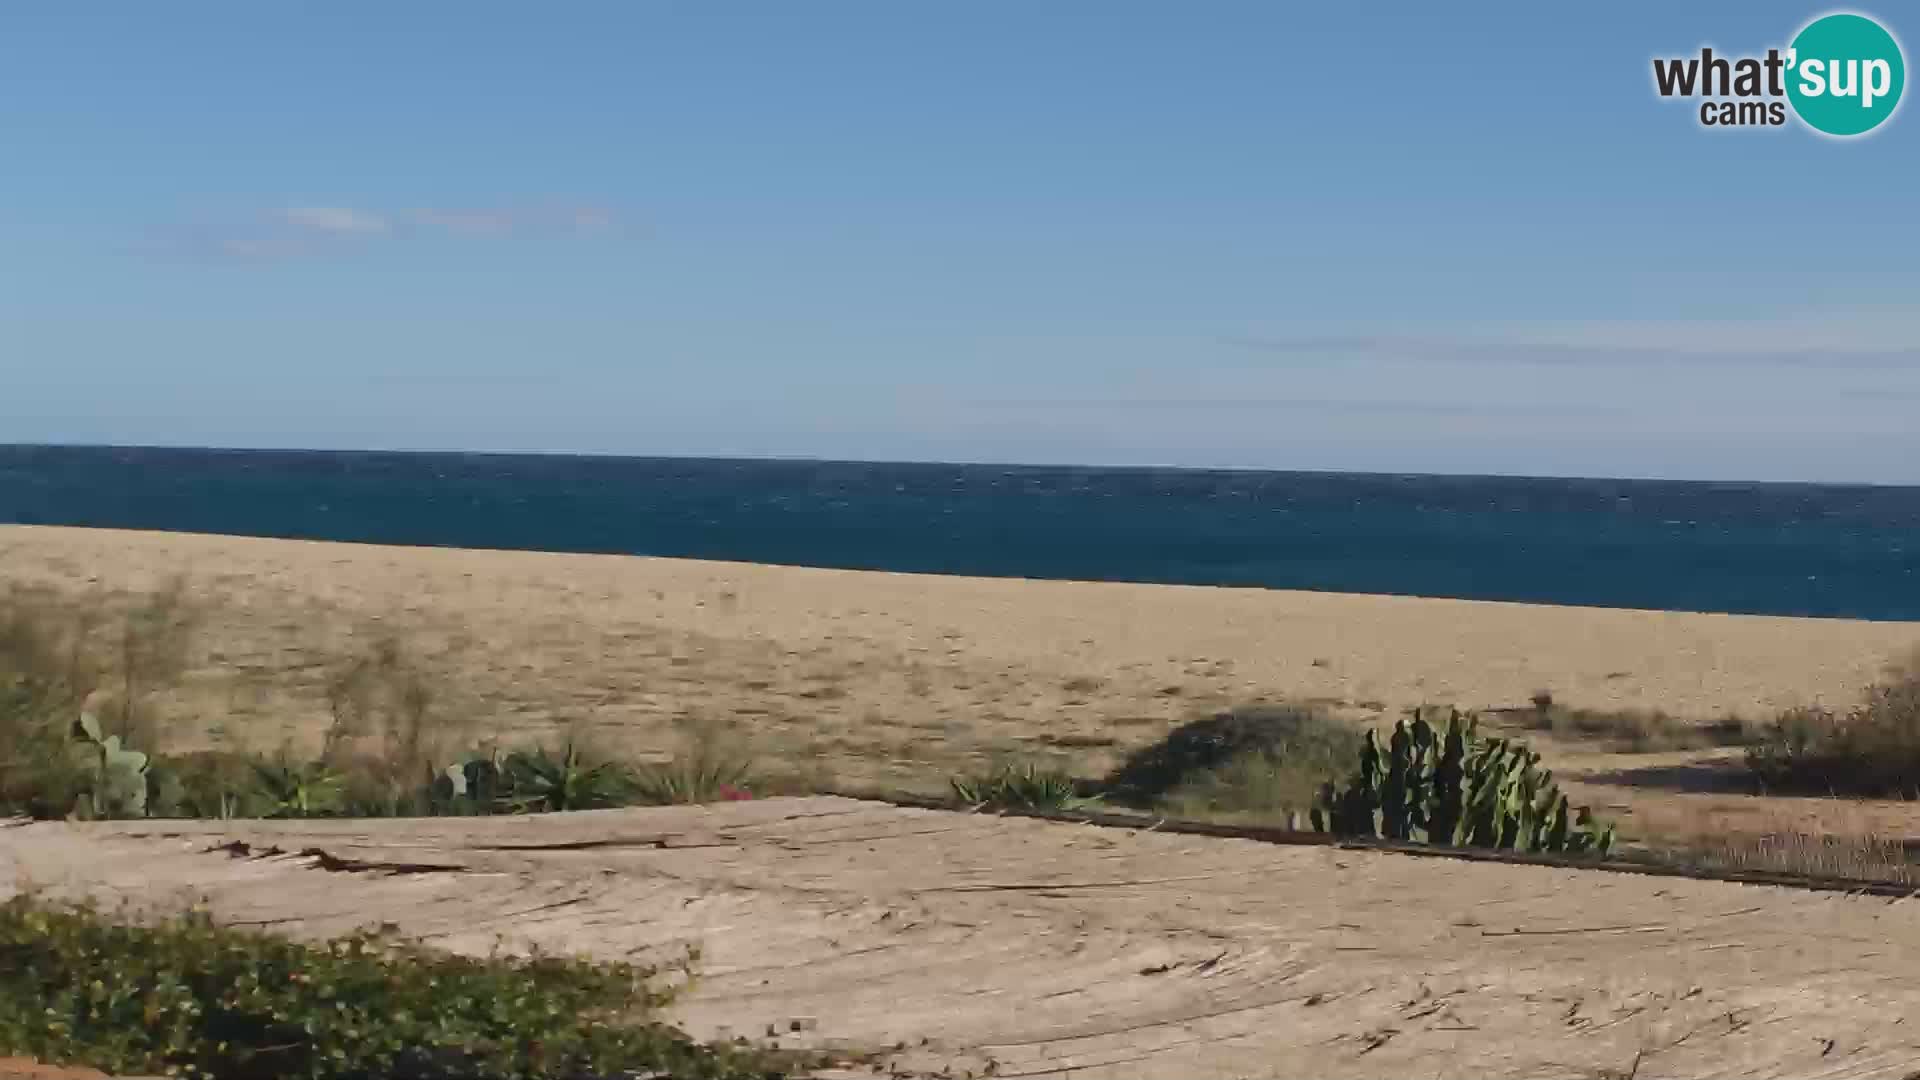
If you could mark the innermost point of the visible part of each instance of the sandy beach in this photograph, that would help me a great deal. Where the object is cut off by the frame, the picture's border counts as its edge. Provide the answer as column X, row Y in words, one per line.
column 888, row 677
column 971, row 941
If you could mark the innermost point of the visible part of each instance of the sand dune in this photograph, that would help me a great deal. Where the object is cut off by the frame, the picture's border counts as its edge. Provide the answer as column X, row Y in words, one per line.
column 979, row 943
column 890, row 677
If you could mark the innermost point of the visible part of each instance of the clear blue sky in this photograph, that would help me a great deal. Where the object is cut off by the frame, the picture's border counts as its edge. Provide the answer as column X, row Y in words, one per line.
column 1412, row 237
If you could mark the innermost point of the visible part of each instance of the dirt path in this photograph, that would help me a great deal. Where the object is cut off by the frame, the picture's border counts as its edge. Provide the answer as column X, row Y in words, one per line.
column 1038, row 949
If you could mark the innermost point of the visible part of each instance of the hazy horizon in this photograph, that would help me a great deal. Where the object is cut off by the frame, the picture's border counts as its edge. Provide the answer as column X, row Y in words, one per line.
column 940, row 462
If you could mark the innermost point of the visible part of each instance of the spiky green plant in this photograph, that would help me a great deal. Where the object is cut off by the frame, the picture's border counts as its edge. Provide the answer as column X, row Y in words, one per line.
column 1448, row 785
column 1024, row 786
column 538, row 780
column 298, row 790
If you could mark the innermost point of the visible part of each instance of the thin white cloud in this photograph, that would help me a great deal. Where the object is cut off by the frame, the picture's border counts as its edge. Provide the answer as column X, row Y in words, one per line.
column 300, row 232
column 244, row 244
column 335, row 219
column 466, row 222
column 494, row 221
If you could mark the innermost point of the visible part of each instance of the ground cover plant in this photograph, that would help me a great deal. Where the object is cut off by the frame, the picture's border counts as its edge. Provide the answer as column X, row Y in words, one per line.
column 184, row 996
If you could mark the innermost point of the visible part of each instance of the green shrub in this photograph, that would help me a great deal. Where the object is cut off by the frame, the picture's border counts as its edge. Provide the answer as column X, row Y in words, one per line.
column 1871, row 749
column 297, row 789
column 1449, row 785
column 1025, row 786
column 217, row 784
column 1254, row 760
column 187, row 997
column 564, row 780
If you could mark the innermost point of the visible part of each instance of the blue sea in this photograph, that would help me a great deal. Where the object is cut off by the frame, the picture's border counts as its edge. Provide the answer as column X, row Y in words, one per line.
column 1786, row 549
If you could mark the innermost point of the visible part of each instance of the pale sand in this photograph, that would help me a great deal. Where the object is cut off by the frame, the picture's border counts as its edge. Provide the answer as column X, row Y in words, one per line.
column 1034, row 949
column 892, row 677
column 988, row 946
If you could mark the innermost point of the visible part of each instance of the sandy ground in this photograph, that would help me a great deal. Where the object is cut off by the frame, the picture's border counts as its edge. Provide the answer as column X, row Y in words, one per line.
column 1018, row 948
column 857, row 678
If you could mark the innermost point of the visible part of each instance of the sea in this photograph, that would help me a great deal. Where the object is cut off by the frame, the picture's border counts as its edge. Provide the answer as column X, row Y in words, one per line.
column 1840, row 551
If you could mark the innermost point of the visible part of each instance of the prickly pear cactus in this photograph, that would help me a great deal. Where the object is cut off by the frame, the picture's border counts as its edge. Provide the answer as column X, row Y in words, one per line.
column 123, row 781
column 1443, row 784
column 117, row 785
column 474, row 786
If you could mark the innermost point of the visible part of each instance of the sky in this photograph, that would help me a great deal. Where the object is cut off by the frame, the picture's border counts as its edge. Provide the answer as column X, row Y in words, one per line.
column 1462, row 238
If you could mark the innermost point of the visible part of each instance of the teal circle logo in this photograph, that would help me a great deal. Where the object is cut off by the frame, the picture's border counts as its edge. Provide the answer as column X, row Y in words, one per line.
column 1845, row 74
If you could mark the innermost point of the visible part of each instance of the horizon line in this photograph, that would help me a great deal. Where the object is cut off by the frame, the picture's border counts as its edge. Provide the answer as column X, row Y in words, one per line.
column 799, row 459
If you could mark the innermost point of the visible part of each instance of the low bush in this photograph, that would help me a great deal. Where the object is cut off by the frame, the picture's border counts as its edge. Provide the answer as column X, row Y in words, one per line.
column 216, row 784
column 186, row 997
column 1257, row 760
column 1870, row 749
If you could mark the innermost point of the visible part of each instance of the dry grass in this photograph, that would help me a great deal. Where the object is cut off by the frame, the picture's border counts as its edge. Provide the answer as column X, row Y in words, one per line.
column 1844, row 843
column 62, row 655
column 391, row 728
column 395, row 727
column 1871, row 749
column 393, row 723
column 1847, row 856
column 1630, row 731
